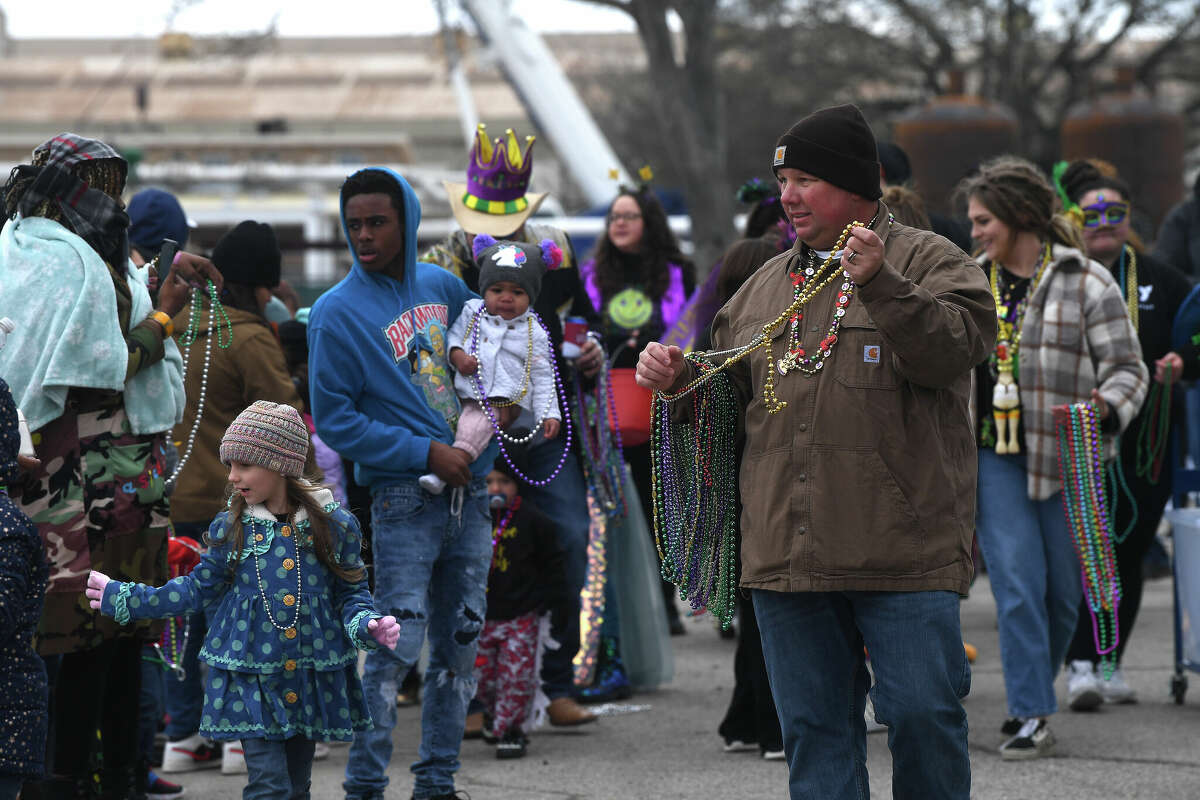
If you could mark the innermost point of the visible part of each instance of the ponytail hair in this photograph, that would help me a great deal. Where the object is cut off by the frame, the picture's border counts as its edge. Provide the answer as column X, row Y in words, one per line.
column 1020, row 195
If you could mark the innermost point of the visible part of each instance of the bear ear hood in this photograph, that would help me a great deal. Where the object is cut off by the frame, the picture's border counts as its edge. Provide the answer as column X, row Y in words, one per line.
column 10, row 436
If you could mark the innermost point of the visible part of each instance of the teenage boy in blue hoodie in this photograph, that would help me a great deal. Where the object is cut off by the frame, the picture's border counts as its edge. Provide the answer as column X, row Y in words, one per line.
column 383, row 397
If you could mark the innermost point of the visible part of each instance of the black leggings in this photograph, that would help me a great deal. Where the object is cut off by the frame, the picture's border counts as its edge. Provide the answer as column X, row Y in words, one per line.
column 98, row 690
column 751, row 716
column 1151, row 500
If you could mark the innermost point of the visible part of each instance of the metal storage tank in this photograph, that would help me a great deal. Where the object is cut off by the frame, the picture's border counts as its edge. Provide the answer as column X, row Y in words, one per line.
column 947, row 138
column 1140, row 137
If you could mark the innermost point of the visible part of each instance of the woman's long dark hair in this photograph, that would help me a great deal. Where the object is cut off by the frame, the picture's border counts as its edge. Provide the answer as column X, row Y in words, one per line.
column 299, row 495
column 658, row 248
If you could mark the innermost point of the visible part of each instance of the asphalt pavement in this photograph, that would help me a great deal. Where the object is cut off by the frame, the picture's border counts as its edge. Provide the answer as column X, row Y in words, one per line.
column 664, row 744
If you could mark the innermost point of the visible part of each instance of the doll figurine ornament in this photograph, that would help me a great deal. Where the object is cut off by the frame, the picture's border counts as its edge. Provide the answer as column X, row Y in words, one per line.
column 1006, row 402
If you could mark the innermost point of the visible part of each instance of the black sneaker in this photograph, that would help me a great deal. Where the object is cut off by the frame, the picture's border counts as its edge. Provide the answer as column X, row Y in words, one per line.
column 512, row 744
column 1034, row 740
column 1011, row 726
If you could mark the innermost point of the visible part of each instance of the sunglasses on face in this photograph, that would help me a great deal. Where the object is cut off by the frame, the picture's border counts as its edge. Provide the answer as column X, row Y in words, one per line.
column 1104, row 214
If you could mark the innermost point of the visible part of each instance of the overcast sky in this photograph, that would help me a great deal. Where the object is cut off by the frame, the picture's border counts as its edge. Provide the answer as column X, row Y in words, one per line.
column 72, row 18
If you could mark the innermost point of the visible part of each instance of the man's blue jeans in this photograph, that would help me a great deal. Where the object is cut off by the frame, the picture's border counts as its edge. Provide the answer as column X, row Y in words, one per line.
column 565, row 501
column 1034, row 575
column 431, row 570
column 813, row 647
column 278, row 769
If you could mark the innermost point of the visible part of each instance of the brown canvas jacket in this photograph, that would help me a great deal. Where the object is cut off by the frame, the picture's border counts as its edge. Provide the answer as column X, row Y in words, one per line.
column 253, row 368
column 866, row 480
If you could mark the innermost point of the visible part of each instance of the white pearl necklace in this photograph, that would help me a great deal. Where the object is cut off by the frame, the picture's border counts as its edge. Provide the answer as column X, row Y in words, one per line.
column 539, row 419
column 208, row 342
column 263, row 593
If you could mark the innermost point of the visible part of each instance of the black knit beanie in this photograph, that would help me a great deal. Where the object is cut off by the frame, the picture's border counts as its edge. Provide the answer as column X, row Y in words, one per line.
column 836, row 145
column 249, row 255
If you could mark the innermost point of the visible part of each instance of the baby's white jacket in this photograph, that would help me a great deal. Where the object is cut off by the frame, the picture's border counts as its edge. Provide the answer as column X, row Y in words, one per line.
column 503, row 346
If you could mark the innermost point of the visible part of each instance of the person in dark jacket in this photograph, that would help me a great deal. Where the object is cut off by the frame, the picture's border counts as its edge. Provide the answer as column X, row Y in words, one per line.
column 23, row 574
column 527, row 578
column 1178, row 241
column 1154, row 291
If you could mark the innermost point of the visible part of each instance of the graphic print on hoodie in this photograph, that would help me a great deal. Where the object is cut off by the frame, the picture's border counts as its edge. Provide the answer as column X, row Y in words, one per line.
column 379, row 375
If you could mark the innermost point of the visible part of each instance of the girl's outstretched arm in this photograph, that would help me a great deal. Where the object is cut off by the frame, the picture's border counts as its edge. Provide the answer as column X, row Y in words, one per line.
column 179, row 596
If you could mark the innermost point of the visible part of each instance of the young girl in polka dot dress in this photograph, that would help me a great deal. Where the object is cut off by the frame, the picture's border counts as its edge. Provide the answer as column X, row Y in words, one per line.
column 287, row 602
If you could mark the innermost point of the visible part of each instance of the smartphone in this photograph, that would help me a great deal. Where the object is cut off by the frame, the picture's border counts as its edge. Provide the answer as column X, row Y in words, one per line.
column 166, row 254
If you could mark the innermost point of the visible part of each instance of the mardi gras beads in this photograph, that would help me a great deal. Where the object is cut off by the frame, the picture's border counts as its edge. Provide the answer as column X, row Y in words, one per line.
column 500, row 436
column 220, row 328
column 695, row 494
column 600, row 441
column 1080, row 458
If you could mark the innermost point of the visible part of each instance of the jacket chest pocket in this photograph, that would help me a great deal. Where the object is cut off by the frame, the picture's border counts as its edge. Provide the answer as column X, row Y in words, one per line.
column 861, row 359
column 1062, row 323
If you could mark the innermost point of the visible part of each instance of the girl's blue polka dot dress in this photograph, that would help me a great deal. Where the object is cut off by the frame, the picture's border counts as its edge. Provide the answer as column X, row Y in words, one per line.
column 283, row 630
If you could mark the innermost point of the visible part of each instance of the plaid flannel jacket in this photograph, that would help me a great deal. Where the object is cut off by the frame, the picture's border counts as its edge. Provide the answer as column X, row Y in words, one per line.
column 1076, row 336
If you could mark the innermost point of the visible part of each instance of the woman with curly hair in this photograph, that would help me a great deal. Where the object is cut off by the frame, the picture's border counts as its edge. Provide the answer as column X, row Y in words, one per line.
column 1061, row 317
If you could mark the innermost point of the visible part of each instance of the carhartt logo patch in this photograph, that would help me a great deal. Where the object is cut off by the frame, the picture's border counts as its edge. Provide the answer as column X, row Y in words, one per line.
column 871, row 353
column 779, row 153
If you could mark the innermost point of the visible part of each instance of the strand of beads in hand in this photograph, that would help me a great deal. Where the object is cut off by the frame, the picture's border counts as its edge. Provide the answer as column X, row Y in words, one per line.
column 219, row 328
column 1081, row 466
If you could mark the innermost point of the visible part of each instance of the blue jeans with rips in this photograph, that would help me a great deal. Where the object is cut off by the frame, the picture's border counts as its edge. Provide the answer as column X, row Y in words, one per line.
column 813, row 647
column 431, row 570
column 278, row 769
column 1034, row 574
column 564, row 501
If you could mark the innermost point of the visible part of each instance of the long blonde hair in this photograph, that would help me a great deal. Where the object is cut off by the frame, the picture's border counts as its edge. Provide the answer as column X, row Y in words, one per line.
column 1020, row 195
column 299, row 495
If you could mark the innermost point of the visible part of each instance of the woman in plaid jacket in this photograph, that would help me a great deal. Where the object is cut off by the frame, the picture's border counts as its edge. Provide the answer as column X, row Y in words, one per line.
column 1065, row 337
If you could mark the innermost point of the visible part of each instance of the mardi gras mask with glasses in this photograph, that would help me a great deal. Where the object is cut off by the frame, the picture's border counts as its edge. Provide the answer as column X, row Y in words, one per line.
column 1104, row 212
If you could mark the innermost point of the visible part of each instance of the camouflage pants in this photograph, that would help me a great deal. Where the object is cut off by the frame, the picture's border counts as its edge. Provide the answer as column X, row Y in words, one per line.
column 98, row 504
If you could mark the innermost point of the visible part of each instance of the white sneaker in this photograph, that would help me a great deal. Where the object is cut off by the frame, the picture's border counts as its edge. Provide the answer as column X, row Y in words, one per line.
column 194, row 752
column 773, row 755
column 1115, row 689
column 1083, row 690
column 738, row 746
column 233, row 759
column 431, row 483
column 320, row 751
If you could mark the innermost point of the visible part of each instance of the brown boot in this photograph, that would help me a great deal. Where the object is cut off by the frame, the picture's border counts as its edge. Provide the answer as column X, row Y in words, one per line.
column 565, row 711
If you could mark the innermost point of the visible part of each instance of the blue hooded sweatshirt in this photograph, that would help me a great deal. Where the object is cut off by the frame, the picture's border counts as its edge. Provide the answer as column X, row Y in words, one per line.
column 379, row 373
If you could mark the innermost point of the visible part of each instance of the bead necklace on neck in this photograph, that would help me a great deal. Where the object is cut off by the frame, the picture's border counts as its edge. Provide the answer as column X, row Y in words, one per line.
column 501, row 438
column 1010, row 319
column 763, row 339
column 1127, row 277
column 222, row 330
column 288, row 629
column 502, row 526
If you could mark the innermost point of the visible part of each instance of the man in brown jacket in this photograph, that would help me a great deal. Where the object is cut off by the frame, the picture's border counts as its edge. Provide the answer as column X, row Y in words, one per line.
column 859, row 496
